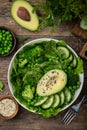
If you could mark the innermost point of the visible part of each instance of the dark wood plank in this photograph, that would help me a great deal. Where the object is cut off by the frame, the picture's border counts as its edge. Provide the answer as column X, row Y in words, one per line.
column 83, row 52
column 62, row 30
column 78, row 31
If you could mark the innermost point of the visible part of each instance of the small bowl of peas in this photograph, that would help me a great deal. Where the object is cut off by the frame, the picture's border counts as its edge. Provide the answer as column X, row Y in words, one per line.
column 7, row 41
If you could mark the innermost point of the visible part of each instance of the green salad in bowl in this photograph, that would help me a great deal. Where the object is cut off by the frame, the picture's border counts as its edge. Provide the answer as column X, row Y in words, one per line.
column 45, row 76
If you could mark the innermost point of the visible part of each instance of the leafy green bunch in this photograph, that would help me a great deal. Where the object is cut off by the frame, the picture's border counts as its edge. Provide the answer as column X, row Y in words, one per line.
column 58, row 11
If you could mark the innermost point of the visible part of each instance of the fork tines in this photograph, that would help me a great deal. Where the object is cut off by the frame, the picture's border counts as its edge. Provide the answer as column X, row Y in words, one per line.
column 69, row 116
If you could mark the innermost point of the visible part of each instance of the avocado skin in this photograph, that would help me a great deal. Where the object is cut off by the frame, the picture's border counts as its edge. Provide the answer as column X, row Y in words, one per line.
column 29, row 25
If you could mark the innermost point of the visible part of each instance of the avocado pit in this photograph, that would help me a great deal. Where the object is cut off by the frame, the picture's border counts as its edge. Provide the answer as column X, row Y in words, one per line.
column 23, row 14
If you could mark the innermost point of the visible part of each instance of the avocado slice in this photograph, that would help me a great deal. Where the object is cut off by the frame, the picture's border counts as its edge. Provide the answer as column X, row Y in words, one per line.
column 24, row 14
column 52, row 82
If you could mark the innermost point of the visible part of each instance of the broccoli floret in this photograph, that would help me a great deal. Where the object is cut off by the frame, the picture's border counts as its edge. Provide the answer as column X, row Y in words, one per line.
column 37, row 51
column 1, row 85
column 22, row 63
column 73, row 79
column 27, row 93
column 29, row 55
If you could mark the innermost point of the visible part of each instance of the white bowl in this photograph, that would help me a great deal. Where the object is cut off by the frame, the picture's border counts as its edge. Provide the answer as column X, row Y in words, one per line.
column 81, row 76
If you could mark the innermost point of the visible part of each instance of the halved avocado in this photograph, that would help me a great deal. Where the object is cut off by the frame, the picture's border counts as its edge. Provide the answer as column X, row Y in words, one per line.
column 24, row 14
column 52, row 82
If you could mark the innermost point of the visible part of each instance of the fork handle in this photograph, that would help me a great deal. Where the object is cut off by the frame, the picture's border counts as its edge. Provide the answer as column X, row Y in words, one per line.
column 84, row 99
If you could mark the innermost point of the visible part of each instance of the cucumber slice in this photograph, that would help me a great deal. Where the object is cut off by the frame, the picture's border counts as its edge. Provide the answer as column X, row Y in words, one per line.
column 41, row 101
column 63, row 52
column 70, row 57
column 83, row 24
column 48, row 102
column 56, row 101
column 74, row 62
column 68, row 95
column 62, row 98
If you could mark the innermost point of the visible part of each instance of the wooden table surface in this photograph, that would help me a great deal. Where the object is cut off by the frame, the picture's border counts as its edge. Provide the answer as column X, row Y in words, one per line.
column 26, row 120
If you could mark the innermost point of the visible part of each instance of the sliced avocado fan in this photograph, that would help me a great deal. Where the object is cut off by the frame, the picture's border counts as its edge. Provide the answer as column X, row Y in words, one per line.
column 24, row 14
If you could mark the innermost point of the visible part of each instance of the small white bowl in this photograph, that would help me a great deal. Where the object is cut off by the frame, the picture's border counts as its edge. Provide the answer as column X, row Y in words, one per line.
column 81, row 76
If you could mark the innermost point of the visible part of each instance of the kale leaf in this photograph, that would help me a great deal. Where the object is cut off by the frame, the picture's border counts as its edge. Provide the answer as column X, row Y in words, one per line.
column 59, row 11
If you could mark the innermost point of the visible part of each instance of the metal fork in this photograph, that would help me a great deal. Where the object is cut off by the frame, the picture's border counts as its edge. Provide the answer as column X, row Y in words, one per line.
column 69, row 116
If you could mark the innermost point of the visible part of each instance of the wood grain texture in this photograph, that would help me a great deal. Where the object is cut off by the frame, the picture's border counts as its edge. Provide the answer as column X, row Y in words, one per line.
column 83, row 52
column 76, row 30
column 6, row 20
column 26, row 120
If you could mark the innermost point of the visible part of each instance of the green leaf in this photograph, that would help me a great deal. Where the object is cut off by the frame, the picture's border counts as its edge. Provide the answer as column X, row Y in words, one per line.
column 72, row 78
column 63, row 10
column 1, row 85
column 79, row 68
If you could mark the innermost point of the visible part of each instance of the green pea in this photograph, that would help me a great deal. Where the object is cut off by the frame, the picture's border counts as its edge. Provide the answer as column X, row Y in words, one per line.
column 50, row 59
column 74, row 87
column 7, row 38
column 6, row 41
column 0, row 36
column 32, row 103
column 5, row 51
column 3, row 31
column 10, row 35
column 2, row 52
column 39, row 97
column 29, row 65
column 70, row 87
column 51, row 109
column 78, row 83
column 7, row 32
column 3, row 38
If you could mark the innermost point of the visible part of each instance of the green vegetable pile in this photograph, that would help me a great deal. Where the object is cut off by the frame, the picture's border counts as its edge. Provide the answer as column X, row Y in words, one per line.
column 1, row 85
column 30, row 65
column 6, row 41
column 58, row 11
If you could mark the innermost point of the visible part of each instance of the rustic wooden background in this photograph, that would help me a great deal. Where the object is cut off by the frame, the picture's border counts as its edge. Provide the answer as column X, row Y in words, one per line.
column 26, row 120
